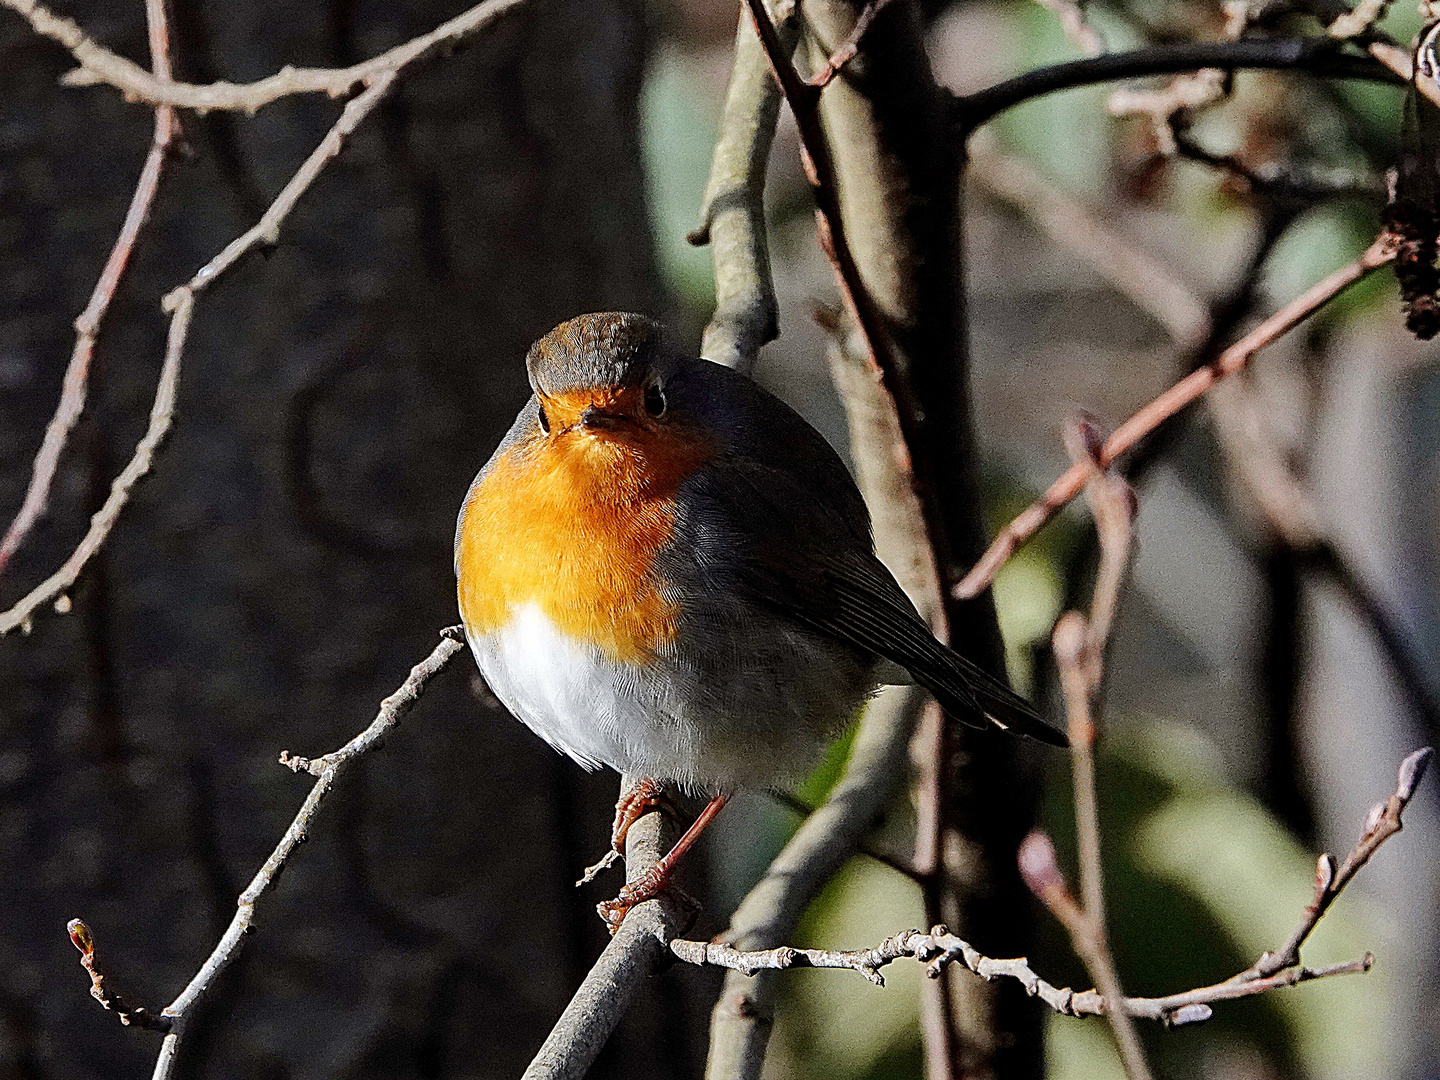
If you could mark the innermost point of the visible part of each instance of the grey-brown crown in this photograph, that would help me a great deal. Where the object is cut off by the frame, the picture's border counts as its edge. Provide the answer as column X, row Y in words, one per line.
column 609, row 348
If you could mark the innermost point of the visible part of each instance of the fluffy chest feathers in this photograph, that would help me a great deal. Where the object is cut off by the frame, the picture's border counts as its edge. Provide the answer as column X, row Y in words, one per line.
column 571, row 524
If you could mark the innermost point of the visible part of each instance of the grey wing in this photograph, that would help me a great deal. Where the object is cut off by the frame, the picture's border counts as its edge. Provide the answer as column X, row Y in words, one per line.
column 801, row 545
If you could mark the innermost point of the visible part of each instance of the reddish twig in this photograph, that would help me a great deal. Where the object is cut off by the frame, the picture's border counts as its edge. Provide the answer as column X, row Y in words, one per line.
column 87, row 325
column 804, row 100
column 130, row 1015
column 1079, row 648
column 847, row 49
column 1274, row 969
column 1151, row 416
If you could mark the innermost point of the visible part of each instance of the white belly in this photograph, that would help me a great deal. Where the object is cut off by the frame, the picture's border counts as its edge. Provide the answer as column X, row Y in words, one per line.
column 596, row 710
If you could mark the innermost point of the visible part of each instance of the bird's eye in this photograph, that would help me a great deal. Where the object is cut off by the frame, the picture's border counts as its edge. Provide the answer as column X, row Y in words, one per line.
column 544, row 421
column 655, row 400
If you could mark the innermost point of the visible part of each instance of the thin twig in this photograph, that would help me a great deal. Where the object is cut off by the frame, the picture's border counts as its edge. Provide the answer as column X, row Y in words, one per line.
column 1079, row 649
column 180, row 303
column 1151, row 416
column 804, row 100
column 846, row 50
column 99, row 65
column 83, row 939
column 174, row 1017
column 1383, row 822
column 938, row 949
column 87, row 326
column 1273, row 969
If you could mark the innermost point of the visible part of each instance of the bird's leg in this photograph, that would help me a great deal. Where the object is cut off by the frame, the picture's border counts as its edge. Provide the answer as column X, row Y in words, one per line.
column 654, row 881
column 647, row 794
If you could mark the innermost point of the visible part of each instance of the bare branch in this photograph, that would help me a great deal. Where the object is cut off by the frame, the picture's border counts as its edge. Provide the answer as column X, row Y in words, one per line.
column 740, row 1024
column 1181, row 394
column 1383, row 822
column 733, row 214
column 392, row 709
column 1317, row 56
column 162, row 415
column 87, row 325
column 99, row 65
column 1079, row 648
column 939, row 948
column 180, row 303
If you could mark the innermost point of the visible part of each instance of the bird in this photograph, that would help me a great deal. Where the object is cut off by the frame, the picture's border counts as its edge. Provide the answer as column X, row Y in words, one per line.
column 665, row 570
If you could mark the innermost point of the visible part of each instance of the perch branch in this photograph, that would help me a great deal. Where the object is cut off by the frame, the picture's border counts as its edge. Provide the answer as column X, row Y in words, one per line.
column 1151, row 416
column 180, row 303
column 634, row 952
column 99, row 65
column 87, row 326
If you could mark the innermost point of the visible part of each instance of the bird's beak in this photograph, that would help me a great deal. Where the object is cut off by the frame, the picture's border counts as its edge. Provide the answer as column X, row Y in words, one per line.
column 594, row 418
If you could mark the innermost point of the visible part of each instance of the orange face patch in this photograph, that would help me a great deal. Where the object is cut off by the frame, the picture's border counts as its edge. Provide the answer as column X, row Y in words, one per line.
column 572, row 521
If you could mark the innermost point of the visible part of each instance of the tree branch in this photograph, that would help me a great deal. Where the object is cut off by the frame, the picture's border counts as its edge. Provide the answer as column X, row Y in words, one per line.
column 326, row 770
column 99, row 65
column 87, row 324
column 939, row 948
column 1315, row 56
column 1181, row 394
column 180, row 303
column 638, row 946
column 733, row 212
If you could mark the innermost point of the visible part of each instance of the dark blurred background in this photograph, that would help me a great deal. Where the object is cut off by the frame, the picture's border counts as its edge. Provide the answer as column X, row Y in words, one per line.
column 289, row 559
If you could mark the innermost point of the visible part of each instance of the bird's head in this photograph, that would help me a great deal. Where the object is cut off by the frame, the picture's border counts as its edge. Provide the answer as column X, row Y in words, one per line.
column 600, row 376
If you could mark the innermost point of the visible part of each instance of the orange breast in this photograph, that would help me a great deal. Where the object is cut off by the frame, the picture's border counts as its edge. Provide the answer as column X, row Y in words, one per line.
column 572, row 523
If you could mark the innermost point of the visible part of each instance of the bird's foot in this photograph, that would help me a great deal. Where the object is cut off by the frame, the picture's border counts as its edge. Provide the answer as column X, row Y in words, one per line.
column 657, row 879
column 647, row 794
column 654, row 882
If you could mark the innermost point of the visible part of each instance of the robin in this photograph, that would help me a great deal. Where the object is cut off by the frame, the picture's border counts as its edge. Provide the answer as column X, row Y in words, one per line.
column 665, row 570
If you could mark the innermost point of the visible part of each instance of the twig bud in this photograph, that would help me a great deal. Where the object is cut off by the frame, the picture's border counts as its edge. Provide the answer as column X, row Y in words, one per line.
column 1412, row 771
column 81, row 937
column 1038, row 866
column 1324, row 873
column 1190, row 1014
column 1373, row 820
